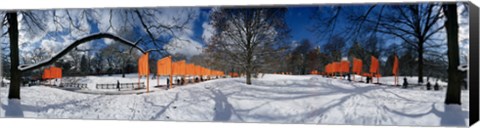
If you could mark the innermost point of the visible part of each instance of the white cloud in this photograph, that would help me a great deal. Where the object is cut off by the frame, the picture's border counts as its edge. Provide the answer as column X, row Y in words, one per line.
column 208, row 31
column 185, row 46
column 66, row 33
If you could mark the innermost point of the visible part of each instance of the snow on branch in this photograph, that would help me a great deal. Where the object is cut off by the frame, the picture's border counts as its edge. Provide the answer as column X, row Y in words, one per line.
column 88, row 38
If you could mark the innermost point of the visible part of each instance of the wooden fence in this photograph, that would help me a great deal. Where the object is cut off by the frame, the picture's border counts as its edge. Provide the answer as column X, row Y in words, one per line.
column 122, row 86
column 73, row 85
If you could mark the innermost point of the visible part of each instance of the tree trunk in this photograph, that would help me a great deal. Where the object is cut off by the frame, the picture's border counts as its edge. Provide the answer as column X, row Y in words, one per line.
column 454, row 78
column 14, row 91
column 249, row 77
column 249, row 66
column 124, row 67
column 420, row 63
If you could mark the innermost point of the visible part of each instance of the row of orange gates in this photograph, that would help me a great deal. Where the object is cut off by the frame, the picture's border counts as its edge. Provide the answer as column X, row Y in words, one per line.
column 343, row 68
column 166, row 67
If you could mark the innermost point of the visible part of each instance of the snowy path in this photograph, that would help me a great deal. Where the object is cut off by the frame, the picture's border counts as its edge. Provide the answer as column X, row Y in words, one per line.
column 273, row 99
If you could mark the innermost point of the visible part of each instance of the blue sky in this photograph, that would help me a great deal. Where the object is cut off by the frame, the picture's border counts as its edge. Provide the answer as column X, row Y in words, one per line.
column 297, row 18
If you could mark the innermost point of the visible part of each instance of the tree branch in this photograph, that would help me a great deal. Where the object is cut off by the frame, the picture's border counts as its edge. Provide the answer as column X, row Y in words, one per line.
column 24, row 68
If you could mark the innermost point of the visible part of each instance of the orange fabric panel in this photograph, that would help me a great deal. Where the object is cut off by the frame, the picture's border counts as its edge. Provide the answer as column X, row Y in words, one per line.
column 175, row 68
column 345, row 66
column 374, row 65
column 395, row 65
column 202, row 71
column 182, row 67
column 233, row 74
column 46, row 74
column 164, row 66
column 357, row 66
column 198, row 70
column 222, row 73
column 56, row 72
column 52, row 73
column 190, row 69
column 143, row 65
column 208, row 72
column 336, row 67
column 179, row 67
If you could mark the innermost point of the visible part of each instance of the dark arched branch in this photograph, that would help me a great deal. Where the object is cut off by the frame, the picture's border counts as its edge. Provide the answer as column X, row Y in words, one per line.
column 24, row 68
column 150, row 50
column 136, row 44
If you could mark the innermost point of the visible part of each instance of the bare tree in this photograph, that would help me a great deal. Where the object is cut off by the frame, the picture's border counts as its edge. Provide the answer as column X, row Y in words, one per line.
column 453, row 95
column 415, row 24
column 335, row 47
column 248, row 35
column 14, row 91
column 41, row 23
column 299, row 57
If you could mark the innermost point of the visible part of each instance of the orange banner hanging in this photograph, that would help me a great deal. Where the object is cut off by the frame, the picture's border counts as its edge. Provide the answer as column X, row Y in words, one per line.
column 179, row 68
column 198, row 70
column 374, row 65
column 395, row 65
column 190, row 69
column 56, row 72
column 374, row 68
column 203, row 71
column 46, row 74
column 357, row 66
column 164, row 66
column 337, row 67
column 395, row 70
column 143, row 65
column 52, row 73
column 345, row 66
column 208, row 72
column 182, row 67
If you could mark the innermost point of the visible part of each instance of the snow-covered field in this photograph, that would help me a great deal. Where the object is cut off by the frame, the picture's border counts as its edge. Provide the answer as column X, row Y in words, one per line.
column 271, row 99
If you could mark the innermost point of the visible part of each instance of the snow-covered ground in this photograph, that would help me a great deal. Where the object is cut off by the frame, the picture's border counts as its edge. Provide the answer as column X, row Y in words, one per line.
column 271, row 99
